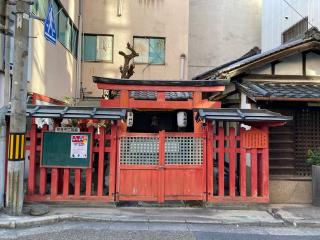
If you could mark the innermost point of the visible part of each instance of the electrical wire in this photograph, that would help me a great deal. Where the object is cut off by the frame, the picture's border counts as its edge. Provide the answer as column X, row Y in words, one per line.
column 297, row 11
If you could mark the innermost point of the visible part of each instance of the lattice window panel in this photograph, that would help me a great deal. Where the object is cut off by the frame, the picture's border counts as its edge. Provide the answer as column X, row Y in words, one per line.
column 307, row 137
column 139, row 151
column 183, row 150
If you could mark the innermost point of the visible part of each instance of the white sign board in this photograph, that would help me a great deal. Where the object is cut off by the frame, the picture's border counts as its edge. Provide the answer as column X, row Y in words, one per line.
column 79, row 146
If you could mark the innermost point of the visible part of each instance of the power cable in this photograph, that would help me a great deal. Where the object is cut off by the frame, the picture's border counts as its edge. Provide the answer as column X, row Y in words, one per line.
column 297, row 12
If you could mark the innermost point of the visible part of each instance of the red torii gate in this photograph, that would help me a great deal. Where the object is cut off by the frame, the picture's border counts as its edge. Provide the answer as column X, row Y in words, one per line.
column 209, row 163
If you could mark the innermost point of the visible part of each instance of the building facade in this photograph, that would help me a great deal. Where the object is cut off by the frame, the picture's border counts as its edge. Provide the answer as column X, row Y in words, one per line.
column 89, row 37
column 52, row 69
column 279, row 17
column 158, row 30
column 175, row 40
column 220, row 31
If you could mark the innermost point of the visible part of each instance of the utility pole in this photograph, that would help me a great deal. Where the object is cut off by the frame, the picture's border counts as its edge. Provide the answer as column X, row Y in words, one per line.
column 5, row 14
column 8, row 36
column 16, row 144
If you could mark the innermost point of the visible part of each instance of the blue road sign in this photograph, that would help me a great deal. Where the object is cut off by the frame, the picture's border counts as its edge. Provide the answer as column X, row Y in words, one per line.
column 50, row 32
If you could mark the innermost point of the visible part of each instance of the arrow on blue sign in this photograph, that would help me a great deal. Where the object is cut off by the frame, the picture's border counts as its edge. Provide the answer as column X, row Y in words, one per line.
column 50, row 27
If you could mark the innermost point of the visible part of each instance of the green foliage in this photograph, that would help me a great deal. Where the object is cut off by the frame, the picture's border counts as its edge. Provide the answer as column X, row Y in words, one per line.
column 313, row 157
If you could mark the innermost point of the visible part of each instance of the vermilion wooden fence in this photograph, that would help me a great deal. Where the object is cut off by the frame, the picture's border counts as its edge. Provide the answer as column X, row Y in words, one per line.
column 65, row 184
column 161, row 167
column 239, row 161
column 234, row 168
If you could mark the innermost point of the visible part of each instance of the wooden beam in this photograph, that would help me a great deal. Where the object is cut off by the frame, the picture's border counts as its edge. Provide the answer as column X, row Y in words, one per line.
column 281, row 77
column 284, row 99
column 153, row 104
column 272, row 57
column 161, row 88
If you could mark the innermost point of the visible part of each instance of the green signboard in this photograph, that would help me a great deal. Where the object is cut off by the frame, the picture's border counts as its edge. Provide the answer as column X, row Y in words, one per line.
column 64, row 149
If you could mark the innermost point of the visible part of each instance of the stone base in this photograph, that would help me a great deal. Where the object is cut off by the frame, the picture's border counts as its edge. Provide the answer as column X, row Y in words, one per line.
column 291, row 191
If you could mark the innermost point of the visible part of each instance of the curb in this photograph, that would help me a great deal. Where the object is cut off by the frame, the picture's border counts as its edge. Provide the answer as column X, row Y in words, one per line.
column 39, row 221
column 48, row 220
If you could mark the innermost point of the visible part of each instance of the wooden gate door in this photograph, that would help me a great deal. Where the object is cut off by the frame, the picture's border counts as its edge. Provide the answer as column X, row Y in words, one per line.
column 159, row 167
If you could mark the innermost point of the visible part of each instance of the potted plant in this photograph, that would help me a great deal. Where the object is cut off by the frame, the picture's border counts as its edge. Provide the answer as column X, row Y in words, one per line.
column 314, row 160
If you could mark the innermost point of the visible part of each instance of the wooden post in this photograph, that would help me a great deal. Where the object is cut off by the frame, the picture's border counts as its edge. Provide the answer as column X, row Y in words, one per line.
column 254, row 172
column 43, row 172
column 54, row 183
column 243, row 168
column 197, row 97
column 101, row 161
column 32, row 160
column 221, row 150
column 89, row 170
column 66, row 181
column 113, row 162
column 204, row 164
column 77, row 182
column 210, row 177
column 232, row 159
column 265, row 168
column 124, row 103
column 161, row 190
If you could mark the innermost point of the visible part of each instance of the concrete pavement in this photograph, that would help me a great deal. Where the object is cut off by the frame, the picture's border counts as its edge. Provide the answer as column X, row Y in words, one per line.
column 134, row 231
column 273, row 215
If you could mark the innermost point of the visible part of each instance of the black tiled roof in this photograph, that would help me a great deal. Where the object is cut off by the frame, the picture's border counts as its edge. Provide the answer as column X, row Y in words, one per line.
column 151, row 95
column 280, row 89
column 44, row 111
column 311, row 40
column 243, row 115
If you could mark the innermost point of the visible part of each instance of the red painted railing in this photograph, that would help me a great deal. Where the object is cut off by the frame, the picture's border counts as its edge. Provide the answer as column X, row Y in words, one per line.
column 236, row 168
column 237, row 172
column 65, row 184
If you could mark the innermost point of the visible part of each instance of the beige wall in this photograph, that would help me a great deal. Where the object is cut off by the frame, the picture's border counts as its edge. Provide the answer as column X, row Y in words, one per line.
column 52, row 71
column 221, row 31
column 287, row 191
column 292, row 65
column 155, row 18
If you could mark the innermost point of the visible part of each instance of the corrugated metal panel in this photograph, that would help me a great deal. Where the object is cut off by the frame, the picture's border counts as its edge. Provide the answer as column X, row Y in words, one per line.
column 277, row 17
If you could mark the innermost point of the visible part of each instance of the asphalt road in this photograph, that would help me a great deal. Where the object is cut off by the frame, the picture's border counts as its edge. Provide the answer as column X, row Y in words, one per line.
column 93, row 231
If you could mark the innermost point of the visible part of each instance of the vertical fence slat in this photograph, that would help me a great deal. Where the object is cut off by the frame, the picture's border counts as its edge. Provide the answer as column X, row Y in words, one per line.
column 265, row 168
column 161, row 165
column 243, row 168
column 221, row 161
column 77, row 182
column 43, row 180
column 117, row 183
column 88, row 181
column 210, row 177
column 66, row 181
column 32, row 160
column 113, row 162
column 43, row 171
column 54, row 183
column 89, row 170
column 204, row 166
column 232, row 159
column 254, row 174
column 101, row 161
